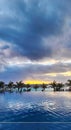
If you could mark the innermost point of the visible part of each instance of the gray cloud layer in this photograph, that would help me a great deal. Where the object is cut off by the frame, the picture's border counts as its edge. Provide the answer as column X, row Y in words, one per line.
column 34, row 29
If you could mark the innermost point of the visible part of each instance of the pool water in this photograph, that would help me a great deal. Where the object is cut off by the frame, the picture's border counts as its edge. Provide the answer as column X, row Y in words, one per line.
column 35, row 111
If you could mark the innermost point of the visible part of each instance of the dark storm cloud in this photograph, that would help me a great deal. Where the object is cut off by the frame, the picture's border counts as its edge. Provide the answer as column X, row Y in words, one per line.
column 34, row 29
column 26, row 22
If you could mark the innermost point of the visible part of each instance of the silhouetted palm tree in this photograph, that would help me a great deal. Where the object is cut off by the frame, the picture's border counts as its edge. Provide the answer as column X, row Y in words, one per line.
column 28, row 87
column 10, row 85
column 54, row 84
column 59, row 86
column 43, row 87
column 2, row 85
column 20, row 85
column 36, row 87
column 69, row 84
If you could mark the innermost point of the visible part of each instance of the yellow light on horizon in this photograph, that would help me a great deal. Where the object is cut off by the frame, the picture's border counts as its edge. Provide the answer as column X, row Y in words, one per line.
column 66, row 74
column 36, row 82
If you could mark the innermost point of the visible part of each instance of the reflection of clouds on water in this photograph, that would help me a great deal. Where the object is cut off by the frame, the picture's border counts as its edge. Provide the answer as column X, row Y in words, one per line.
column 13, row 105
column 48, row 105
column 28, row 106
column 67, row 105
column 67, row 95
column 19, row 106
column 58, row 94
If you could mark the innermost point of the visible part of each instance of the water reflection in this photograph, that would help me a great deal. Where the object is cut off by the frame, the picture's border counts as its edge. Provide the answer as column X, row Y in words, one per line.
column 29, row 107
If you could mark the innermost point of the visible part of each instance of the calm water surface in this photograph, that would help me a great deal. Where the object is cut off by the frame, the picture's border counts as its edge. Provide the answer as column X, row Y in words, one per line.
column 35, row 107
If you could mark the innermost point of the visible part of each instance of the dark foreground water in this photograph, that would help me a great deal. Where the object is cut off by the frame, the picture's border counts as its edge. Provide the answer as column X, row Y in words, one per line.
column 35, row 111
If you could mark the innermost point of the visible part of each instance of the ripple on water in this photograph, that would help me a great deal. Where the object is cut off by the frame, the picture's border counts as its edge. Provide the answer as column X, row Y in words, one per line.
column 35, row 107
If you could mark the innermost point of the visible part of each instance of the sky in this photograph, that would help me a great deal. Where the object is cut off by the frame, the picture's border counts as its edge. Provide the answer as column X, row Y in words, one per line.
column 35, row 40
